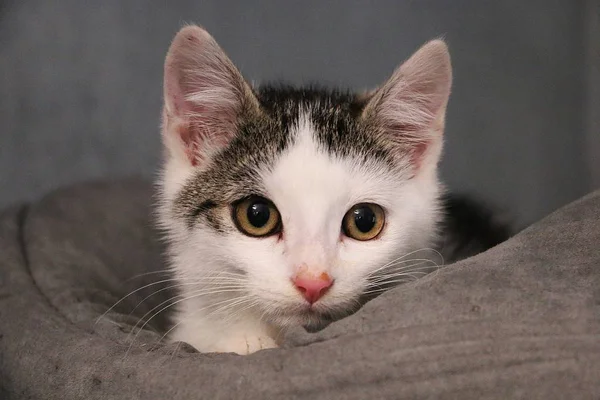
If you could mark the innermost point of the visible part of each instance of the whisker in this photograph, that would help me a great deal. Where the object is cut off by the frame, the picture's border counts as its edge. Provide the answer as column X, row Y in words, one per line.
column 194, row 294
column 408, row 268
column 383, row 284
column 175, row 351
column 411, row 253
column 196, row 281
column 238, row 311
column 391, row 274
column 164, row 271
column 402, row 280
column 233, row 301
column 400, row 273
column 397, row 272
column 382, row 289
column 230, row 286
column 166, row 307
column 131, row 293
column 412, row 267
column 394, row 263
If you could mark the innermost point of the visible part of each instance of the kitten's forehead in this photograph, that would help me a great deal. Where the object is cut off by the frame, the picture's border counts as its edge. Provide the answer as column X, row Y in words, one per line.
column 305, row 171
column 335, row 116
column 314, row 188
column 311, row 185
column 329, row 119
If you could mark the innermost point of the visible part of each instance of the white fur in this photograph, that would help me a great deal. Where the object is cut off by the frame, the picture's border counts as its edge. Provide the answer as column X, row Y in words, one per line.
column 312, row 191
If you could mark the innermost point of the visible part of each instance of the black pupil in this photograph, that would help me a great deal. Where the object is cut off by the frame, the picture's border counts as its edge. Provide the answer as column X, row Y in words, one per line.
column 364, row 219
column 258, row 214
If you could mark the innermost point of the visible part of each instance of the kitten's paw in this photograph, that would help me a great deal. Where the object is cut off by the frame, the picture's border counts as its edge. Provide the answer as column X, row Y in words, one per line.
column 248, row 344
column 241, row 340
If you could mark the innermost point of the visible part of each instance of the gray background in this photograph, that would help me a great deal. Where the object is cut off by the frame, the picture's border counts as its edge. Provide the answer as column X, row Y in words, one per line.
column 80, row 83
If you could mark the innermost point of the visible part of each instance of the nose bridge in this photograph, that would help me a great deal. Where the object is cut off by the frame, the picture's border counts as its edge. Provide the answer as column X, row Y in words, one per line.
column 310, row 252
column 314, row 252
column 309, row 233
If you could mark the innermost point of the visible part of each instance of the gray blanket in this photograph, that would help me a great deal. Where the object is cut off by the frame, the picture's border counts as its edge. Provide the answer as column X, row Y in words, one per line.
column 519, row 321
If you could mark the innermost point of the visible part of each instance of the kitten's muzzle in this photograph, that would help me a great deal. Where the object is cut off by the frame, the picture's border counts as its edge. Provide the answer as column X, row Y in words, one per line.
column 311, row 286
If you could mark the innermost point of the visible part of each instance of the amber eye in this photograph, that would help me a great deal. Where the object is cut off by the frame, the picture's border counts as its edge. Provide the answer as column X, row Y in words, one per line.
column 256, row 216
column 363, row 221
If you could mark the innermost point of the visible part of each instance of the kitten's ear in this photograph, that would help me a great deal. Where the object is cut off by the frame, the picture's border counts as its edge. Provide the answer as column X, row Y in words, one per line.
column 204, row 96
column 409, row 109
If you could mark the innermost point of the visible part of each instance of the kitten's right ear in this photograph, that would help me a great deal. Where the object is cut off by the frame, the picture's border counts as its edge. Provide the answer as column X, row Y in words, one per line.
column 410, row 107
column 204, row 97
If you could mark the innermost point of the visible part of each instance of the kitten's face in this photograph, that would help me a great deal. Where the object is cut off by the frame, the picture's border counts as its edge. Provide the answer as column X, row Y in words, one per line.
column 303, row 195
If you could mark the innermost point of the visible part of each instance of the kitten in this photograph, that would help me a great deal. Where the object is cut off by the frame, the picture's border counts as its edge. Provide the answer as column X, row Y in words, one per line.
column 284, row 205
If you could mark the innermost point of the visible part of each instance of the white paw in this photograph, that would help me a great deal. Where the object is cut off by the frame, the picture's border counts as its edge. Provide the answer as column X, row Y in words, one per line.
column 246, row 344
column 244, row 337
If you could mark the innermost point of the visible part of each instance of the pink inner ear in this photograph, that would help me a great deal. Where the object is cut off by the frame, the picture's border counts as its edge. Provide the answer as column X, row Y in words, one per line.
column 407, row 135
column 417, row 153
column 191, row 142
column 197, row 137
column 173, row 94
column 179, row 114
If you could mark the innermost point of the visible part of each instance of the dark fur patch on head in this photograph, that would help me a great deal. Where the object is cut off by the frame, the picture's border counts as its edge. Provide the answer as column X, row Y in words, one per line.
column 232, row 174
column 262, row 136
column 335, row 115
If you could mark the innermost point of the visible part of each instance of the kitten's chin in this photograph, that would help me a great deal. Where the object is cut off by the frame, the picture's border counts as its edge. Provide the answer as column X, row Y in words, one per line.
column 306, row 318
column 311, row 317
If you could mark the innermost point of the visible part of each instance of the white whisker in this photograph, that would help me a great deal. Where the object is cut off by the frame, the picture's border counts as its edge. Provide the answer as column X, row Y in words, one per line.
column 221, row 287
column 229, row 303
column 215, row 279
column 168, row 306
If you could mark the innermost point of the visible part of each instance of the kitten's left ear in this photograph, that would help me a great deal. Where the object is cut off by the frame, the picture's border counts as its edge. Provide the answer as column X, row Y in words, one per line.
column 204, row 97
column 409, row 109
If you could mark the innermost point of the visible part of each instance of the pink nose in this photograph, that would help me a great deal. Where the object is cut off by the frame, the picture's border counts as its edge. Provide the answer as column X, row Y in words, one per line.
column 312, row 287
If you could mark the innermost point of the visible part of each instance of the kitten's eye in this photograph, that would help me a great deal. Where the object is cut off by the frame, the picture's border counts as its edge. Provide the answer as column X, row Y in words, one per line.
column 256, row 216
column 363, row 221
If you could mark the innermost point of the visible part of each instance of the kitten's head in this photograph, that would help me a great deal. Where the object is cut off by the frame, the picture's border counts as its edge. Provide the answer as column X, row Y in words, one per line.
column 303, row 194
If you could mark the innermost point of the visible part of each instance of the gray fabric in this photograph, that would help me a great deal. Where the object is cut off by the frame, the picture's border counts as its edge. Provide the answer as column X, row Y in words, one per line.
column 80, row 83
column 519, row 321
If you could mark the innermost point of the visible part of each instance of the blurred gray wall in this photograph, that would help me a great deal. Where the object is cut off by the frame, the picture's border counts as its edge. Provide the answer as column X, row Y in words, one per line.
column 80, row 83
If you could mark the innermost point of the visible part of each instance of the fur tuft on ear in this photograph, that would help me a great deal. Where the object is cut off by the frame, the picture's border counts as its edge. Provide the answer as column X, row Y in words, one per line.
column 204, row 96
column 410, row 107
